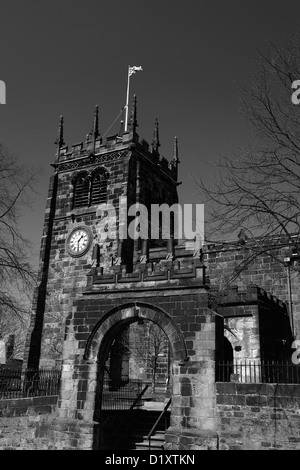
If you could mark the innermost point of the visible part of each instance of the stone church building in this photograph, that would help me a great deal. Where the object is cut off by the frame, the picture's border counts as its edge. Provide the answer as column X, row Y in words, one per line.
column 101, row 295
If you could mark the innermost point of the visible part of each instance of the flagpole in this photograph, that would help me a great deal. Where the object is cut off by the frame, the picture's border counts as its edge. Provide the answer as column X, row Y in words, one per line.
column 127, row 99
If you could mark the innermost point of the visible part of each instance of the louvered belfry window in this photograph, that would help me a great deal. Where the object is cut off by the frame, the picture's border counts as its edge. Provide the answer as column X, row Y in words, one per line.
column 99, row 188
column 81, row 190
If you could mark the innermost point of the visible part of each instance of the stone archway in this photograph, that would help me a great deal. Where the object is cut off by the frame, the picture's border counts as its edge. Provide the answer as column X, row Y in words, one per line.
column 97, row 351
column 132, row 312
column 193, row 375
column 119, row 318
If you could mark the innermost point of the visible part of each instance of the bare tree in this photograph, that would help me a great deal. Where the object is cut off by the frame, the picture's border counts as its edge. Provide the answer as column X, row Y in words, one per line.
column 158, row 344
column 255, row 194
column 152, row 349
column 17, row 276
column 258, row 189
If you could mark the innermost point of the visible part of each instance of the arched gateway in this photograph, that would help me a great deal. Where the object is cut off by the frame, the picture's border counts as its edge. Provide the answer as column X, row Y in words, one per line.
column 192, row 336
column 114, row 393
column 105, row 330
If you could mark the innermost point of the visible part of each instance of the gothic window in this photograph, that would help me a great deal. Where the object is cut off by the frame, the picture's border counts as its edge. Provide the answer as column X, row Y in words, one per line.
column 81, row 190
column 99, row 187
column 90, row 189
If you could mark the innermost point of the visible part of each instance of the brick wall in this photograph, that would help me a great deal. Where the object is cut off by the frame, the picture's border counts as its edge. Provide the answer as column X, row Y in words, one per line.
column 258, row 416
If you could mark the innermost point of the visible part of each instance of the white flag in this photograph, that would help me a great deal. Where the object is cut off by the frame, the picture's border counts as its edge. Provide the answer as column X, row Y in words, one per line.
column 134, row 69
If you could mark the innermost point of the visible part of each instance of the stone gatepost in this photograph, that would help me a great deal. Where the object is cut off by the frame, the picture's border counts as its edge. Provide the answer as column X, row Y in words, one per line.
column 193, row 414
column 78, row 384
column 76, row 402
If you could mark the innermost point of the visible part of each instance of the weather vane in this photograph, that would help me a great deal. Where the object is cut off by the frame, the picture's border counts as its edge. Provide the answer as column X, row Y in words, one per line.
column 131, row 70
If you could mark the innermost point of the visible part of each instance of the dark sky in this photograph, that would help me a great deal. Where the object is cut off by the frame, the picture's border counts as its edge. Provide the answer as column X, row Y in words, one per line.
column 64, row 57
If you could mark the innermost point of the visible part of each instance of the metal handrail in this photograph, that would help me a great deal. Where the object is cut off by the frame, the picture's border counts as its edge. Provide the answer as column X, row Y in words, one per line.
column 130, row 409
column 138, row 398
column 153, row 429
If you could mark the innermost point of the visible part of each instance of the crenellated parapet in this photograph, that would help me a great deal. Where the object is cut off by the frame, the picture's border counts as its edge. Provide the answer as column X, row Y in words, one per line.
column 113, row 147
column 176, row 271
column 104, row 149
column 250, row 295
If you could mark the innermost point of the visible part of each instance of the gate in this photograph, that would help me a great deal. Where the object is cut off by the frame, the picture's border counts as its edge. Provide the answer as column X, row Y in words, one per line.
column 120, row 394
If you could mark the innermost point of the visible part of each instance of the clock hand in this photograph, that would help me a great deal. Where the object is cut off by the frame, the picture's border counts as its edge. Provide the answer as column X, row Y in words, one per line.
column 79, row 241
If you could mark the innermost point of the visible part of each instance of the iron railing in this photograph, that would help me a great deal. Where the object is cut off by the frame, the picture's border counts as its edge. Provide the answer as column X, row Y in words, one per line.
column 121, row 394
column 30, row 383
column 258, row 372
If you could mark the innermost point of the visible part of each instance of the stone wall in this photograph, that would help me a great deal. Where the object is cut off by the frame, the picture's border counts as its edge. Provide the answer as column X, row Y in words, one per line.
column 249, row 417
column 32, row 424
column 258, row 416
column 230, row 264
column 256, row 322
column 193, row 413
column 176, row 301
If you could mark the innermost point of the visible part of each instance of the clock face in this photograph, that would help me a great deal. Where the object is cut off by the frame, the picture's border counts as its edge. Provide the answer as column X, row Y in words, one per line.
column 79, row 241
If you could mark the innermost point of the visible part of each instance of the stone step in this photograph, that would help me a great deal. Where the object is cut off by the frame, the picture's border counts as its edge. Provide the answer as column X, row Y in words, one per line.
column 156, row 437
column 156, row 443
column 140, row 441
column 146, row 447
column 133, row 435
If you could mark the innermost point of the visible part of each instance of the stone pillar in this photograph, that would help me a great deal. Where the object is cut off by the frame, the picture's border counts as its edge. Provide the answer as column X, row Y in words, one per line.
column 193, row 412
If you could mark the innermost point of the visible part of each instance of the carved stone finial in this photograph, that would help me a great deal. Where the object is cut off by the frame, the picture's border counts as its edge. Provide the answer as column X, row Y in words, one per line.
column 60, row 135
column 155, row 141
column 175, row 159
column 95, row 130
column 133, row 120
column 121, row 129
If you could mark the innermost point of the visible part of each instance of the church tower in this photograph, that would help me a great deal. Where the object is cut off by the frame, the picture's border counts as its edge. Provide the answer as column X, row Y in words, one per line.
column 93, row 185
column 100, row 285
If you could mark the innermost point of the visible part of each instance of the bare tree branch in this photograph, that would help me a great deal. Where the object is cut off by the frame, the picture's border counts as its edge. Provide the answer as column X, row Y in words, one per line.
column 17, row 276
column 257, row 188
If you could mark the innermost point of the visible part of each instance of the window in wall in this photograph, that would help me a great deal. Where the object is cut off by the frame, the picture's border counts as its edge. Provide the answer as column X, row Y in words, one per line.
column 81, row 190
column 99, row 188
